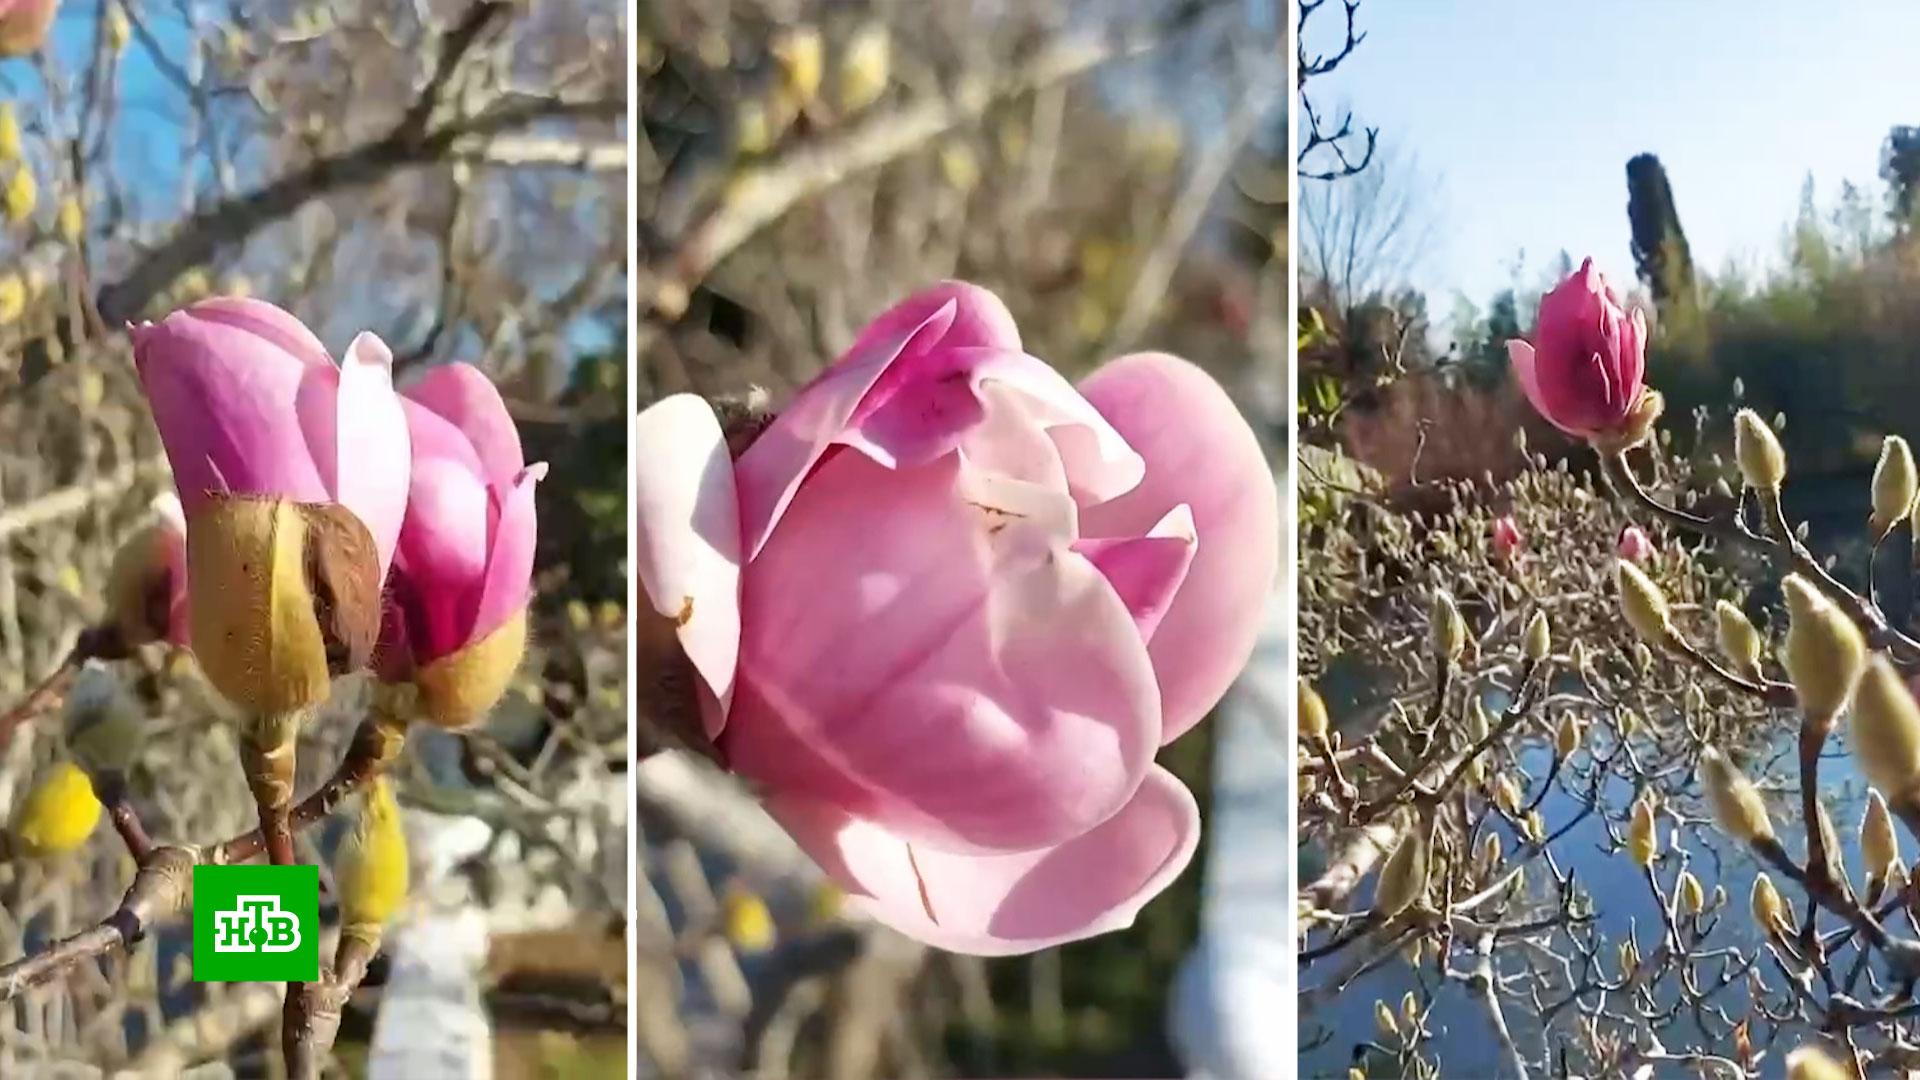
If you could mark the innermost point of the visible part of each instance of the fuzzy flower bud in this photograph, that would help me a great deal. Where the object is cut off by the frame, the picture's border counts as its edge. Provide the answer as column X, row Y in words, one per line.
column 1813, row 1063
column 1894, row 483
column 1643, row 843
column 1539, row 638
column 1763, row 464
column 1769, row 911
column 1879, row 844
column 1824, row 650
column 1313, row 717
column 371, row 866
column 58, row 814
column 1739, row 642
column 1567, row 738
column 1644, row 605
column 1403, row 880
column 1737, row 806
column 1693, row 899
column 1886, row 732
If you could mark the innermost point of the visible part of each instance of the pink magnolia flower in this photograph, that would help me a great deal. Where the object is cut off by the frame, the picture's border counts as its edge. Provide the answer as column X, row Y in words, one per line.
column 249, row 403
column 946, row 608
column 1506, row 537
column 1584, row 369
column 465, row 561
column 1634, row 545
column 24, row 25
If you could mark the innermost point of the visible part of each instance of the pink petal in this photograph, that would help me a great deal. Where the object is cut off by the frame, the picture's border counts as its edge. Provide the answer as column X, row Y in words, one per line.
column 467, row 399
column 918, row 383
column 167, row 510
column 221, row 395
column 508, row 584
column 443, row 554
column 1147, row 571
column 1002, row 905
column 1526, row 372
column 356, row 432
column 920, row 646
column 263, row 320
column 687, row 527
column 1199, row 451
column 770, row 470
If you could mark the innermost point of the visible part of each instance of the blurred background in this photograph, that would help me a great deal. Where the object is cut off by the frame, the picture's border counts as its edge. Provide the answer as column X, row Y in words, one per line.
column 451, row 176
column 1745, row 176
column 1118, row 174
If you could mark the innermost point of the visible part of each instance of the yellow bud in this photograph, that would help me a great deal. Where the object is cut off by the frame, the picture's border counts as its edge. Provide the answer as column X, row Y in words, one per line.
column 826, row 902
column 1313, row 716
column 1384, row 1019
column 1642, row 842
column 1643, row 603
column 58, row 814
column 72, row 220
column 118, row 29
column 1824, row 650
column 1479, row 725
column 802, row 59
column 1737, row 806
column 371, row 866
column 1403, row 880
column 1534, row 826
column 1763, row 465
column 1769, row 911
column 1629, row 957
column 9, row 134
column 13, row 298
column 1813, row 1063
column 1447, row 629
column 1879, row 844
column 1739, row 641
column 1489, row 855
column 1569, row 736
column 864, row 68
column 1507, row 793
column 1894, row 483
column 22, row 194
column 1539, row 639
column 1693, row 899
column 747, row 921
column 1628, row 723
column 958, row 167
column 1410, row 1011
column 1886, row 732
column 459, row 689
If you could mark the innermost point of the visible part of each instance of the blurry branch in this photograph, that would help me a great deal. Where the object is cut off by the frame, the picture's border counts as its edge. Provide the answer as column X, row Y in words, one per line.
column 513, row 151
column 760, row 193
column 1322, row 64
column 212, row 1031
column 415, row 139
column 72, row 500
column 1189, row 210
column 712, row 810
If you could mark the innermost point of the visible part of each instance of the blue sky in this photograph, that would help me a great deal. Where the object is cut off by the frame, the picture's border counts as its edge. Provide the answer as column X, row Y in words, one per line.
column 1525, row 113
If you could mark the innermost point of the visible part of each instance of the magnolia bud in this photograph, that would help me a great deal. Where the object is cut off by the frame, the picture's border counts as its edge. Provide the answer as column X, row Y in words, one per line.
column 1539, row 638
column 1642, row 842
column 9, row 133
column 1448, row 629
column 864, row 68
column 1507, row 793
column 1824, row 650
column 1737, row 806
column 1739, row 641
column 58, row 813
column 1628, row 723
column 1479, row 725
column 1769, row 911
column 262, row 575
column 1403, row 880
column 1383, row 1019
column 1812, row 1063
column 1643, row 604
column 459, row 689
column 1693, row 899
column 1313, row 717
column 1886, row 732
column 1763, row 465
column 1879, row 844
column 22, row 194
column 1894, row 482
column 371, row 865
column 146, row 586
column 105, row 725
column 1567, row 738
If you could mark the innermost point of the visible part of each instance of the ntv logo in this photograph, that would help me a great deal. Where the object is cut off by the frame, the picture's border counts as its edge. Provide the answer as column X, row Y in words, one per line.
column 257, row 924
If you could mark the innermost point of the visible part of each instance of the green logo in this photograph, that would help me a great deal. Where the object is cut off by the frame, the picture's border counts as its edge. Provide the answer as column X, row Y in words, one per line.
column 256, row 923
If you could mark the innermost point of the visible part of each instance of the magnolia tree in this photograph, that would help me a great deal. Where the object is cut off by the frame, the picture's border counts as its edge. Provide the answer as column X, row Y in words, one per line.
column 344, row 555
column 1577, row 799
